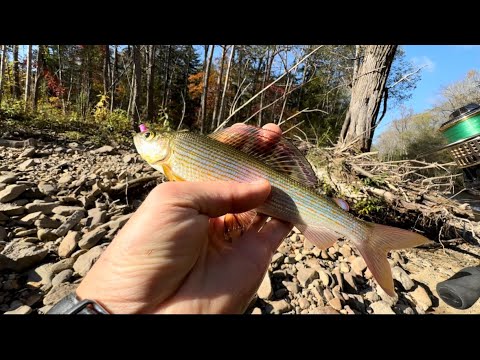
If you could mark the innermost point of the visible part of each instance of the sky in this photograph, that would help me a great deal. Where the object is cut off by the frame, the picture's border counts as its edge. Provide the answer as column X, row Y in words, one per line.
column 445, row 64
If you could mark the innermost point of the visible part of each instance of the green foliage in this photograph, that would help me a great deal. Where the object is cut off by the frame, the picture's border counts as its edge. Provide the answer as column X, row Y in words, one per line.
column 370, row 206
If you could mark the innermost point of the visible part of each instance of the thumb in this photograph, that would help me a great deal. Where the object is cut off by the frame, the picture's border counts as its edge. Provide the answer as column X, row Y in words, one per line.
column 216, row 198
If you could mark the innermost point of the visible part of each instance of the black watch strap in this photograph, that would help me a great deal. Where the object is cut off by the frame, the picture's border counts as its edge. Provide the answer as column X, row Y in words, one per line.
column 71, row 305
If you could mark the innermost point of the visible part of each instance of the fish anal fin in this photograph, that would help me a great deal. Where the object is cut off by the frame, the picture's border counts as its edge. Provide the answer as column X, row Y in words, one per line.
column 321, row 237
column 170, row 174
column 236, row 224
column 380, row 240
column 269, row 147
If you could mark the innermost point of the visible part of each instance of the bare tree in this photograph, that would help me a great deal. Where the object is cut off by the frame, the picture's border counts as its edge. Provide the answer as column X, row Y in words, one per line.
column 225, row 86
column 203, row 113
column 219, row 86
column 3, row 60
column 16, row 74
column 38, row 76
column 113, row 76
column 137, row 87
column 106, row 69
column 28, row 78
column 150, row 80
column 368, row 90
column 167, row 77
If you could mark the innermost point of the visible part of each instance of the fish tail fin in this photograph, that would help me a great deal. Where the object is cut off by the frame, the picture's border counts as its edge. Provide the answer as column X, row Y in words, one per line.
column 379, row 240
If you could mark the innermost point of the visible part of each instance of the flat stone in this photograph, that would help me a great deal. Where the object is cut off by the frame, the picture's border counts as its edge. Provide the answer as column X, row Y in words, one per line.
column 9, row 178
column 46, row 235
column 336, row 303
column 68, row 244
column 41, row 275
column 23, row 254
column 12, row 209
column 31, row 218
column 84, row 262
column 305, row 276
column 45, row 207
column 97, row 216
column 58, row 292
column 291, row 286
column 27, row 153
column 21, row 310
column 72, row 220
column 381, row 307
column 65, row 179
column 62, row 277
column 265, row 290
column 66, row 210
column 24, row 166
column 48, row 223
column 277, row 259
column 303, row 303
column 402, row 277
column 421, row 298
column 324, row 310
column 279, row 306
column 22, row 233
column 358, row 266
column 46, row 188
column 11, row 192
column 63, row 264
column 102, row 150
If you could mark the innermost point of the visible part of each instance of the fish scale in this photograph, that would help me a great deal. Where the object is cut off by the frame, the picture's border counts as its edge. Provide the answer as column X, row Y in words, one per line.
column 193, row 157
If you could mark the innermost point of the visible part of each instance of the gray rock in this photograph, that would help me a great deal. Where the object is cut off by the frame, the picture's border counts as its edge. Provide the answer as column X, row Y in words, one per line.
column 22, row 233
column 41, row 275
column 24, row 166
column 305, row 276
column 421, row 298
column 314, row 264
column 9, row 178
column 381, row 307
column 279, row 306
column 97, row 216
column 66, row 210
column 24, row 255
column 11, row 192
column 78, row 253
column 45, row 207
column 31, row 218
column 21, row 310
column 46, row 235
column 265, row 290
column 3, row 233
column 27, row 153
column 72, row 220
column 102, row 150
column 12, row 209
column 58, row 292
column 65, row 179
column 358, row 266
column 84, row 262
column 63, row 264
column 46, row 188
column 291, row 286
column 91, row 238
column 402, row 277
column 62, row 277
column 48, row 223
column 68, row 244
column 303, row 303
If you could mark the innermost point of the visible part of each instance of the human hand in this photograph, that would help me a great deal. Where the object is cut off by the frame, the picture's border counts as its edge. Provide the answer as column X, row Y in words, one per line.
column 169, row 257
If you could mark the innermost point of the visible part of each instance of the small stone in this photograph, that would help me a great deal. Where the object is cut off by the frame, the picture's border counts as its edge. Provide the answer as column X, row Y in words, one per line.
column 27, row 153
column 21, row 310
column 72, row 220
column 68, row 244
column 31, row 218
column 48, row 223
column 41, row 275
column 305, row 276
column 327, row 294
column 324, row 310
column 390, row 300
column 316, row 251
column 314, row 264
column 344, row 268
column 291, row 286
column 66, row 210
column 24, row 166
column 256, row 311
column 63, row 264
column 58, row 292
column 324, row 255
column 299, row 257
column 47, row 189
column 127, row 159
column 45, row 207
column 22, row 233
column 368, row 274
column 9, row 178
column 339, row 278
column 372, row 296
column 265, row 290
column 91, row 238
column 336, row 303
column 279, row 306
column 358, row 266
column 12, row 209
column 318, row 296
column 86, row 261
column 381, row 307
column 102, row 150
column 303, row 303
column 325, row 277
column 65, row 179
column 46, row 235
column 277, row 259
column 23, row 254
column 402, row 277
column 11, row 192
column 421, row 298
column 97, row 216
column 349, row 279
column 62, row 277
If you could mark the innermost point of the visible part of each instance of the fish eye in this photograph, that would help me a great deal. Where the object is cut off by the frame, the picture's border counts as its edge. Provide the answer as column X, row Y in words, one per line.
column 148, row 135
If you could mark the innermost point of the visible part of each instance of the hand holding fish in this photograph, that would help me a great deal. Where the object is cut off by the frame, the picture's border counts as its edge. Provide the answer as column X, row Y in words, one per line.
column 171, row 256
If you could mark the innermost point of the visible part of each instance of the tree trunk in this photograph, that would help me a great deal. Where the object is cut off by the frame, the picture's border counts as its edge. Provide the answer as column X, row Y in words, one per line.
column 266, row 75
column 205, row 89
column 3, row 60
column 60, row 75
column 38, row 76
column 16, row 74
column 367, row 92
column 114, row 75
column 225, row 87
column 167, row 77
column 219, row 86
column 137, row 87
column 106, row 69
column 150, row 82
column 28, row 78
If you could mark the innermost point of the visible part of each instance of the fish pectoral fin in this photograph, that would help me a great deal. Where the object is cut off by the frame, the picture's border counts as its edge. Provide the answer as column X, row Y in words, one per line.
column 380, row 240
column 236, row 224
column 319, row 236
column 170, row 175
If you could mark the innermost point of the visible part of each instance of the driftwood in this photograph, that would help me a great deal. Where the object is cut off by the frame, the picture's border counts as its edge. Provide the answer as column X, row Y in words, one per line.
column 412, row 193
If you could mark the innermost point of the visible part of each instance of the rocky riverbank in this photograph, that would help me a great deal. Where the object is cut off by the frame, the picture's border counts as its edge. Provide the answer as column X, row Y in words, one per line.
column 61, row 205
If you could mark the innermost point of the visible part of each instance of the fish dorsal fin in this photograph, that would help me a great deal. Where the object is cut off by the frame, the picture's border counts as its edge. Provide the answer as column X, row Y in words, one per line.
column 270, row 148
